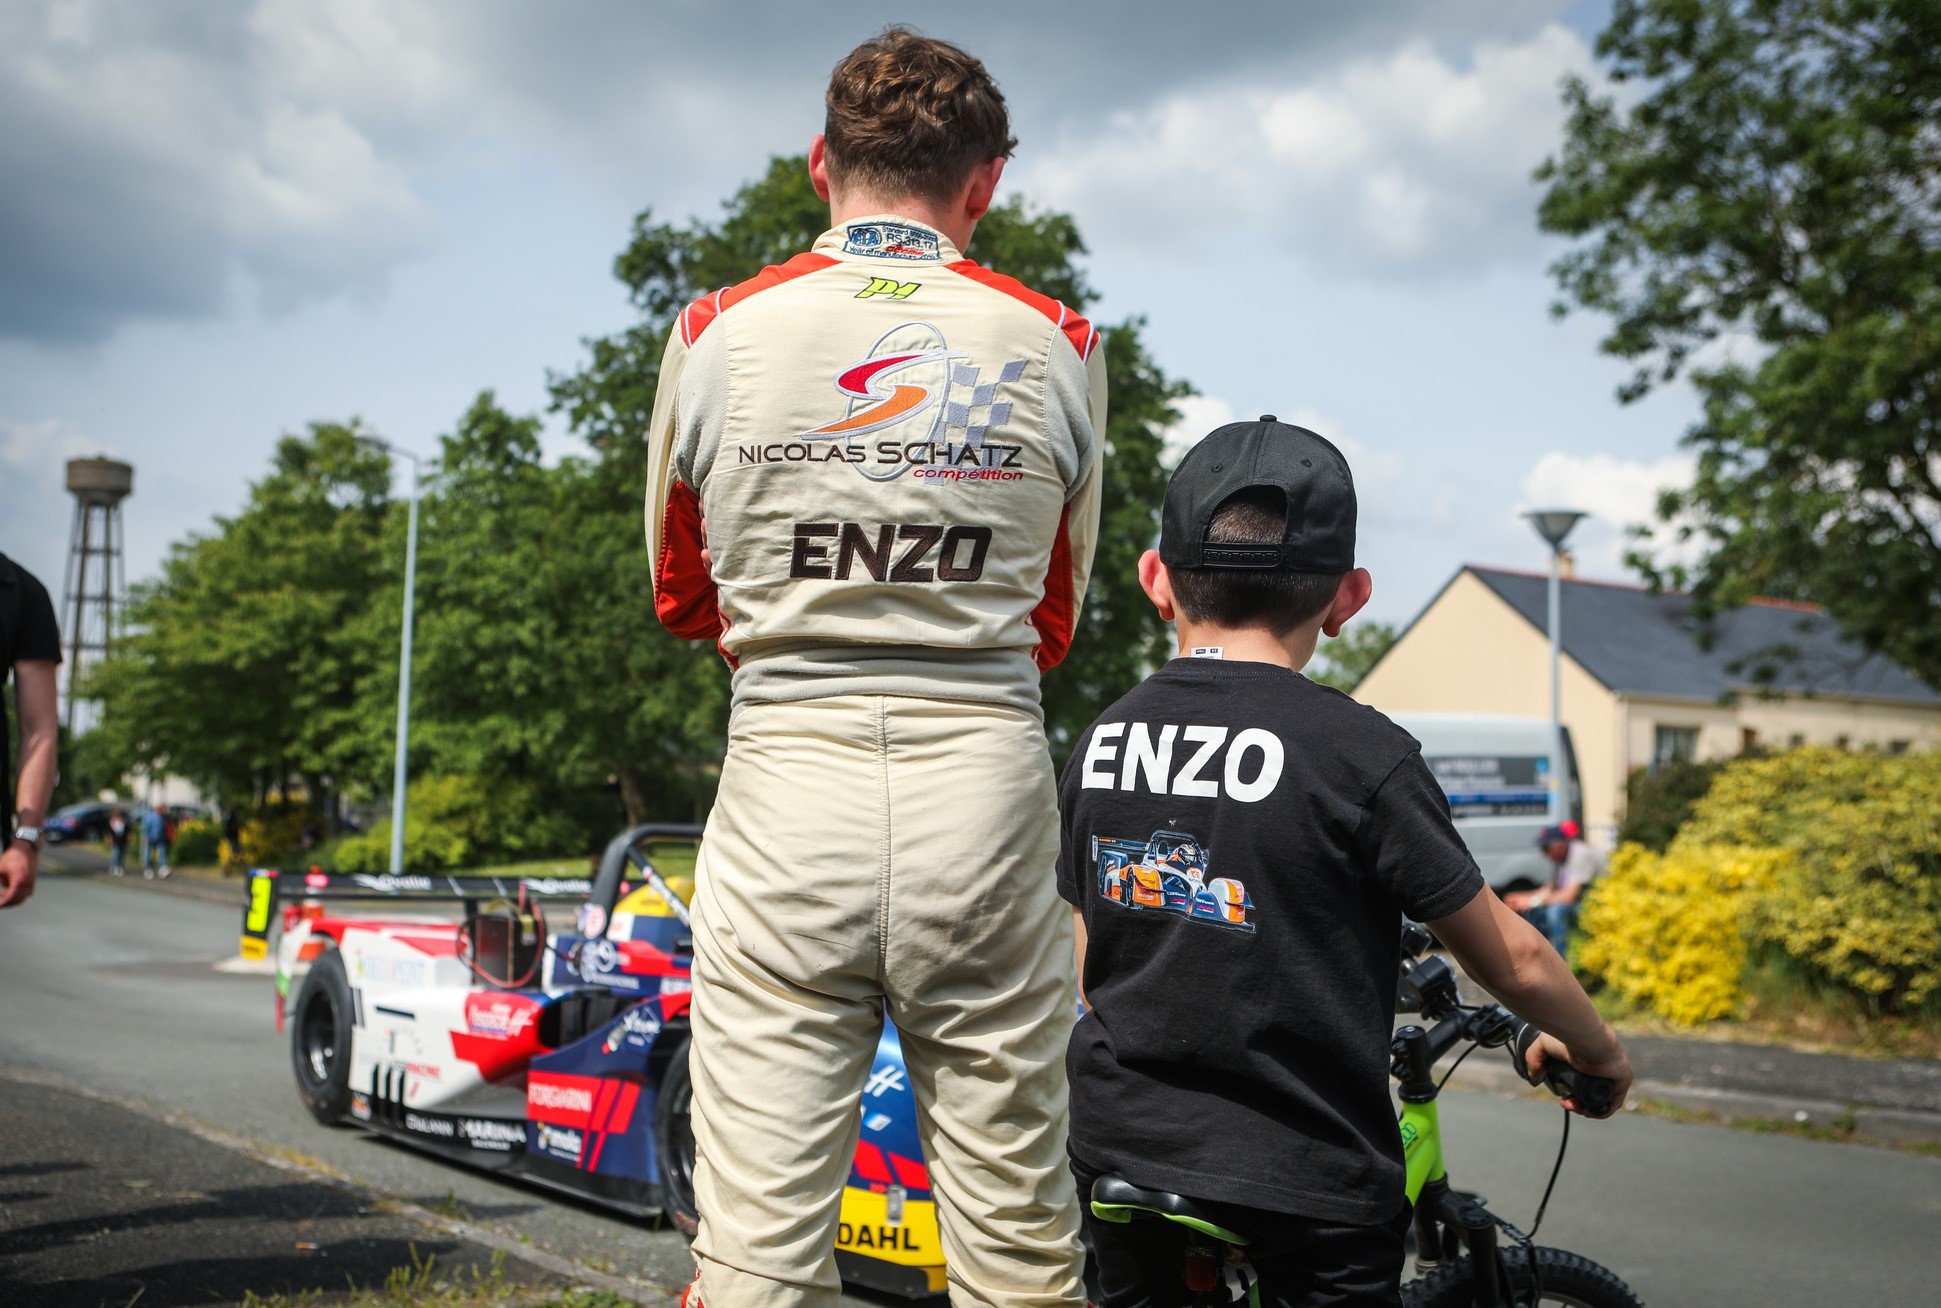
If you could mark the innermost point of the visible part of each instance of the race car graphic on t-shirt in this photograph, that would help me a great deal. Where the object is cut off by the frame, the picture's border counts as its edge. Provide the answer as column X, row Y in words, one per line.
column 1167, row 872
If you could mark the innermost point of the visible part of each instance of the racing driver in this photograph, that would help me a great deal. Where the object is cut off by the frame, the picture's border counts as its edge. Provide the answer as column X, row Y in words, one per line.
column 874, row 482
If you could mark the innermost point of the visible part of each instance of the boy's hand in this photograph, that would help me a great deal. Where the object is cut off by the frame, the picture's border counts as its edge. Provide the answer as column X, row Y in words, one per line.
column 1615, row 1067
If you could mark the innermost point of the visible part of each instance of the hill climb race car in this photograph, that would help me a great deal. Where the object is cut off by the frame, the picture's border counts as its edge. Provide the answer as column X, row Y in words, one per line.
column 558, row 1058
column 1167, row 872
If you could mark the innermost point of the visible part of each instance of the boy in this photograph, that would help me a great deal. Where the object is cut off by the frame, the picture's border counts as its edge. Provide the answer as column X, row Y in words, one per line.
column 1236, row 1046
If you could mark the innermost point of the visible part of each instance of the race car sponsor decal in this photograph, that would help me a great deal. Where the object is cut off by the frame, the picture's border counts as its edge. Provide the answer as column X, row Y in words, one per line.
column 501, row 1035
column 560, row 1142
column 397, row 973
column 891, row 241
column 598, row 1106
column 503, row 1016
column 389, row 883
column 896, row 552
column 636, row 1029
column 494, row 1135
column 886, row 1077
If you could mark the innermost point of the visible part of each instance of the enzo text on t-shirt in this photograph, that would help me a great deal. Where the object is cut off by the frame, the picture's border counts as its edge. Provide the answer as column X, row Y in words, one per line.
column 1243, row 843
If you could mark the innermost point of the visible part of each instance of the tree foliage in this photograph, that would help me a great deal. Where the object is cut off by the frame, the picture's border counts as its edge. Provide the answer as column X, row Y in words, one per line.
column 1768, row 177
column 243, row 660
column 1345, row 660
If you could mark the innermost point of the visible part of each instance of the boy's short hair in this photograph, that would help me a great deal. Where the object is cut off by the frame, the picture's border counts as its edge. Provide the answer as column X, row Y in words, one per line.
column 1276, row 600
column 911, row 116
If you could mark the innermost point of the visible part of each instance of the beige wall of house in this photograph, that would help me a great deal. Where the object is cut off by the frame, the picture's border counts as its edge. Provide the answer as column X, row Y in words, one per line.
column 1725, row 730
column 1470, row 652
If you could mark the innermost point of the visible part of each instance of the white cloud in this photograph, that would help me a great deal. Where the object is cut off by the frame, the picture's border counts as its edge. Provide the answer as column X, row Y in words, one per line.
column 157, row 155
column 1618, row 494
column 1393, row 164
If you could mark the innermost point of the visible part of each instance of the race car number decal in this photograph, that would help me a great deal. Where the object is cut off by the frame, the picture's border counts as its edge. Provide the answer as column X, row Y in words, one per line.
column 255, row 943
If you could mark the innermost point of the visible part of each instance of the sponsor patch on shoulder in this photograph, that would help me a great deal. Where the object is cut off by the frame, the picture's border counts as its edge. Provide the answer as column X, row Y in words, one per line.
column 891, row 241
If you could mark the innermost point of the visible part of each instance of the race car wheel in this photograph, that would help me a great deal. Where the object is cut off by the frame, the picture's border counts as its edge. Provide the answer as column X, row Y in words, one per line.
column 674, row 1143
column 320, row 1039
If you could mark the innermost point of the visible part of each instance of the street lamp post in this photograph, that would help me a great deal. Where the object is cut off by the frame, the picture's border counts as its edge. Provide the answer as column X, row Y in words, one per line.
column 398, row 769
column 1555, row 526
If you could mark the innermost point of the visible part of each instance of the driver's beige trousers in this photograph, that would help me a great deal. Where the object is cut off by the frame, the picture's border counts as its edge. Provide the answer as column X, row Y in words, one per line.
column 869, row 853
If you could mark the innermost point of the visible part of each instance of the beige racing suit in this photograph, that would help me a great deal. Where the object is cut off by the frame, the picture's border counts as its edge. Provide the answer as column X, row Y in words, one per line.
column 891, row 456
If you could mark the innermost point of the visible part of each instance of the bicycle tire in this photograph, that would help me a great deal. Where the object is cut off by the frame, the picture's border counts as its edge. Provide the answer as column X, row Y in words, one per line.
column 1569, row 1281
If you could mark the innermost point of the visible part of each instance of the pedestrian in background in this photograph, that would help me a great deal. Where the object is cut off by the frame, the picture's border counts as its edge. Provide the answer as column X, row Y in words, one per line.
column 1574, row 864
column 118, row 842
column 155, row 842
column 30, row 649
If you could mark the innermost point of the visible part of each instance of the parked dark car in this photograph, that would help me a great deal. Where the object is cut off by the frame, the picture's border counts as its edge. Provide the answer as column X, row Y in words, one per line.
column 83, row 821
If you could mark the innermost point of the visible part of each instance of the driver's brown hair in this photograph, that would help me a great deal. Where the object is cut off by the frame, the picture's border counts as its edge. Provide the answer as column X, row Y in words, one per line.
column 911, row 116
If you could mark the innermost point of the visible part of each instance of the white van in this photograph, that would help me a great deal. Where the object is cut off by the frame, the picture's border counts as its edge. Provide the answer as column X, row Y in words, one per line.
column 1496, row 772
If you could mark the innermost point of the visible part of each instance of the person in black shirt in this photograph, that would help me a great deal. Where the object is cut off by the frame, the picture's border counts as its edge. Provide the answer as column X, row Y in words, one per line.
column 1235, row 1048
column 30, row 648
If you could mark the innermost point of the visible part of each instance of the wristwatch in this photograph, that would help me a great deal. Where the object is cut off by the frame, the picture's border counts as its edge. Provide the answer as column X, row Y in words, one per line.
column 29, row 834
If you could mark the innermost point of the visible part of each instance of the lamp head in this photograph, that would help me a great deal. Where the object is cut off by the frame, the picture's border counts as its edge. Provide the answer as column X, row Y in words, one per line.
column 1554, row 525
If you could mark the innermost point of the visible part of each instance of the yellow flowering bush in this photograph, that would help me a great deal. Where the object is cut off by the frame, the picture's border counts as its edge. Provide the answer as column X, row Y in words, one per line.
column 1667, row 931
column 1861, row 904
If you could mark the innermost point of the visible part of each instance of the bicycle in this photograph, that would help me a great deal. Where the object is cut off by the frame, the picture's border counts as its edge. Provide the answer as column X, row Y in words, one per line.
column 1460, row 1262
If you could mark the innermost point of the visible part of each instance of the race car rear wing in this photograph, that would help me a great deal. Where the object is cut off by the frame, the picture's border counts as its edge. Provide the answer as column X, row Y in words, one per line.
column 625, row 853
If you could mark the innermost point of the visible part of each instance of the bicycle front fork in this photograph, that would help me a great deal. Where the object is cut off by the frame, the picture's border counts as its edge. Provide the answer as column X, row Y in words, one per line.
column 1447, row 1224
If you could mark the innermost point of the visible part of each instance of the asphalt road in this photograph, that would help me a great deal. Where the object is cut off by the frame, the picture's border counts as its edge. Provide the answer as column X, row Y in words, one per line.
column 112, row 988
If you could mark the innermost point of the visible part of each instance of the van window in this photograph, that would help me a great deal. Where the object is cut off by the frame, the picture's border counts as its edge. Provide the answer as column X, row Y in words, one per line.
column 1493, row 785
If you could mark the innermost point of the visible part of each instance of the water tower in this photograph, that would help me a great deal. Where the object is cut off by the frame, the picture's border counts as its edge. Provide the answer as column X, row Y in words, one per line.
column 96, row 576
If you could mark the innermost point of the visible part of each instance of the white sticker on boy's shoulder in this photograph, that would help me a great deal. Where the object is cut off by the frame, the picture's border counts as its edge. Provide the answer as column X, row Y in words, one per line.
column 1209, row 652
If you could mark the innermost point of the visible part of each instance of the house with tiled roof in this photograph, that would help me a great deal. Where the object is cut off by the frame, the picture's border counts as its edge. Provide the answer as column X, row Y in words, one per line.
column 1644, row 680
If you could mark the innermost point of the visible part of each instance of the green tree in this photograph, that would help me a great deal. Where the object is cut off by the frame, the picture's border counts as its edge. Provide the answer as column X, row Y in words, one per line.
column 242, row 662
column 609, row 402
column 1769, row 175
column 1345, row 660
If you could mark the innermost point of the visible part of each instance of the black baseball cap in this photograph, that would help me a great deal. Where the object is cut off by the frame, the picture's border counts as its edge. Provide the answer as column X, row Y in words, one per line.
column 1301, row 465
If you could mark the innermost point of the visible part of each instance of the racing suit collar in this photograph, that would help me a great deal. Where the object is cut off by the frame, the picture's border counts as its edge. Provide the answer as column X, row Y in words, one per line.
column 889, row 239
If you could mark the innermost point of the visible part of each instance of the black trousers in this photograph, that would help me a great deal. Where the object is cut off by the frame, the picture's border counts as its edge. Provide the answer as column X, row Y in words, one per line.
column 1301, row 1262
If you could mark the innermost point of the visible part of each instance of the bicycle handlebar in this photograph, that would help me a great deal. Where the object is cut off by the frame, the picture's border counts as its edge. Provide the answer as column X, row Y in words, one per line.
column 1429, row 987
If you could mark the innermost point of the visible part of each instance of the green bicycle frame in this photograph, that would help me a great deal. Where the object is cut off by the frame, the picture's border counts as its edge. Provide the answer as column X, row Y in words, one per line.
column 1422, row 1146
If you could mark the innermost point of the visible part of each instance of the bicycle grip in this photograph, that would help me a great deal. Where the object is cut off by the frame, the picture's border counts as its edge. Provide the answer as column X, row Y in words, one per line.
column 1593, row 1094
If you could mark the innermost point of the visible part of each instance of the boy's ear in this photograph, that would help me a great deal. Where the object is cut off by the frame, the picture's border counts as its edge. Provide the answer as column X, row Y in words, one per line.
column 1349, row 599
column 1158, row 584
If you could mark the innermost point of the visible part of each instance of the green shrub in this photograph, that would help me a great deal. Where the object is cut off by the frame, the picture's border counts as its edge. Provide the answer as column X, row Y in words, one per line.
column 197, row 842
column 462, row 821
column 1657, row 803
column 1860, row 904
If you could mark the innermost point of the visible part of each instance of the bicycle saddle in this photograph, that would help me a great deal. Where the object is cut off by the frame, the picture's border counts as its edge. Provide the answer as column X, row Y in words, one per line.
column 1115, row 1199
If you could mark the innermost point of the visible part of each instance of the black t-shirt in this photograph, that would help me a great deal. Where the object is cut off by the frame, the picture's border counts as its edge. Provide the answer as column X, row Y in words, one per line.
column 1243, row 844
column 27, row 632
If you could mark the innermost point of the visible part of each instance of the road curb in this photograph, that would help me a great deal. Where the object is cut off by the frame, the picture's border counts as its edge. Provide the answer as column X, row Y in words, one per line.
column 582, row 1276
column 1857, row 1123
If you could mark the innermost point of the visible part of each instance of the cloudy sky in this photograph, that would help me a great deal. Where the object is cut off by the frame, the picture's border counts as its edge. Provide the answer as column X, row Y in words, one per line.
column 222, row 219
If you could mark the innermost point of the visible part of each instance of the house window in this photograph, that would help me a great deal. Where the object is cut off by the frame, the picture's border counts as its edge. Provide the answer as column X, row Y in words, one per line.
column 1842, row 741
column 1795, row 740
column 1674, row 745
column 1898, row 746
column 1748, row 740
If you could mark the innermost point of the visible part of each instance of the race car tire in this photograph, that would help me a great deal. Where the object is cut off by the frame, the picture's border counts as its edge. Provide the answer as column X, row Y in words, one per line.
column 320, row 1036
column 674, row 1143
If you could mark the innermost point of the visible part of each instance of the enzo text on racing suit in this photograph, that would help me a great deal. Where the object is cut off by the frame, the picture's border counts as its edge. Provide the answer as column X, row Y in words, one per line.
column 891, row 455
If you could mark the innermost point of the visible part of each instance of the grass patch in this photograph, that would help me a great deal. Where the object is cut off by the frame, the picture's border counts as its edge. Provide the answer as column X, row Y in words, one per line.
column 1841, row 1130
column 421, row 1284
